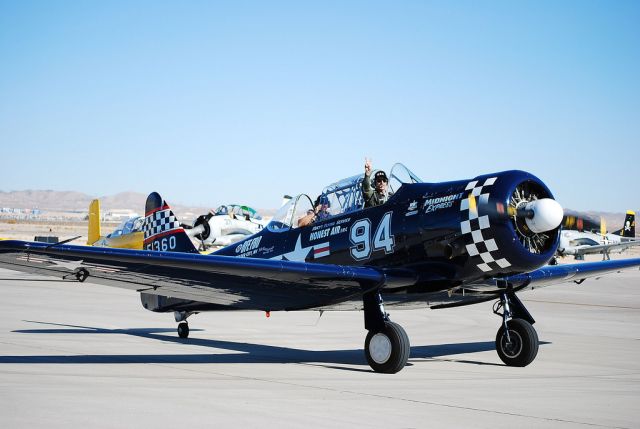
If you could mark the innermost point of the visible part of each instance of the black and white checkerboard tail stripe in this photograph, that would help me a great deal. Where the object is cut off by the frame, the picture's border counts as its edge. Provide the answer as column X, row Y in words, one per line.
column 162, row 231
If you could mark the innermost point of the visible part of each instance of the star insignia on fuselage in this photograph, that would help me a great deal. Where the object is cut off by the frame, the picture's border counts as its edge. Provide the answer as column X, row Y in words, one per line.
column 299, row 253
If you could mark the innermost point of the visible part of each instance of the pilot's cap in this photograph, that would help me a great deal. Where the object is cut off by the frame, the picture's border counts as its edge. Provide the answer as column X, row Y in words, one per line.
column 380, row 175
column 323, row 200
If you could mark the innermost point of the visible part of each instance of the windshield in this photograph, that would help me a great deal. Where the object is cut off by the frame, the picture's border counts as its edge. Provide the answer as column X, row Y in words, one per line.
column 290, row 213
column 222, row 210
column 132, row 225
column 400, row 175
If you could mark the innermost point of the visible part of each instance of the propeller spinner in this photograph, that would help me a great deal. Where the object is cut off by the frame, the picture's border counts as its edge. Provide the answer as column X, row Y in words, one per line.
column 534, row 215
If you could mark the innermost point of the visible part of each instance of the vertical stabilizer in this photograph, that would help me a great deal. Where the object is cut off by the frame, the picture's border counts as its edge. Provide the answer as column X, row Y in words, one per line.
column 630, row 221
column 162, row 231
column 629, row 228
column 94, row 222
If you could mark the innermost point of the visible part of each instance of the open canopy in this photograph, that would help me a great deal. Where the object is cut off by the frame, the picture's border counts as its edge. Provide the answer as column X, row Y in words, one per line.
column 238, row 211
column 344, row 196
column 133, row 224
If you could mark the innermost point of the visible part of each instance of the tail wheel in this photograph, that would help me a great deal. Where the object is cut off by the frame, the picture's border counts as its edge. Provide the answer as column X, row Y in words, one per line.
column 521, row 346
column 387, row 350
column 183, row 330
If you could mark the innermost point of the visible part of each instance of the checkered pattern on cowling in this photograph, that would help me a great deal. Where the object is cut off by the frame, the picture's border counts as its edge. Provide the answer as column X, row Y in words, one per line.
column 476, row 229
column 158, row 222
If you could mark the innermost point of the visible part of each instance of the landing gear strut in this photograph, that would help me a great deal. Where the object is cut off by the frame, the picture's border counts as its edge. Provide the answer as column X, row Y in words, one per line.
column 386, row 346
column 516, row 341
column 183, row 326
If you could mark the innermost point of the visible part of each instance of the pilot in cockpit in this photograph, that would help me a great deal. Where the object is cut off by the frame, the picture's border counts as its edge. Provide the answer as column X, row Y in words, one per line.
column 320, row 213
column 378, row 195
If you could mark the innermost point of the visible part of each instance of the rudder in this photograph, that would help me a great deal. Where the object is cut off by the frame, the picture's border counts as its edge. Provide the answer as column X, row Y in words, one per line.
column 94, row 232
column 628, row 230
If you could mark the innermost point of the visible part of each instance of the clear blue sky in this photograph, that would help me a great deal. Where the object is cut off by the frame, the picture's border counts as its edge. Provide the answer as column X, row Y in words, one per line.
column 210, row 102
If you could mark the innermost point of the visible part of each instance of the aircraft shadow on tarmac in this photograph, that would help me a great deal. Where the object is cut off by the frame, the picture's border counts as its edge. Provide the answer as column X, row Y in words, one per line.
column 246, row 352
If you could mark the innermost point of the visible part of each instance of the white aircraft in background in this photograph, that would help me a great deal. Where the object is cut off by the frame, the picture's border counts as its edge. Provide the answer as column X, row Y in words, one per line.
column 224, row 226
column 580, row 243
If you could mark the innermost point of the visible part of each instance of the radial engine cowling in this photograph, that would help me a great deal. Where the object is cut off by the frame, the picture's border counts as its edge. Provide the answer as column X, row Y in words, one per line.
column 510, row 223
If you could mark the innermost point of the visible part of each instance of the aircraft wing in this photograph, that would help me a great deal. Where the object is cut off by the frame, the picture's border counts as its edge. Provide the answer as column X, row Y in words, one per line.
column 254, row 284
column 604, row 248
column 554, row 274
column 490, row 289
column 231, row 282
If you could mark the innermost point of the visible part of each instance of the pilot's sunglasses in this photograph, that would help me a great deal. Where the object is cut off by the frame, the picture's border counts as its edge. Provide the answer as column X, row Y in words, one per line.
column 381, row 180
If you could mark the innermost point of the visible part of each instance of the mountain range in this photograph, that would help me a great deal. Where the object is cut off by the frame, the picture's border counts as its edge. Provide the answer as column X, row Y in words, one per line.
column 71, row 201
column 48, row 200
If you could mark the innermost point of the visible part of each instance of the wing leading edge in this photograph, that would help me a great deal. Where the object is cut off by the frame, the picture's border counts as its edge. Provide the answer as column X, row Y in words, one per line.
column 605, row 248
column 490, row 289
column 554, row 274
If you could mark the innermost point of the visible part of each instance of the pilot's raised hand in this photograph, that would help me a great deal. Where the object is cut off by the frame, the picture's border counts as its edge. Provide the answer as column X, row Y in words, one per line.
column 367, row 166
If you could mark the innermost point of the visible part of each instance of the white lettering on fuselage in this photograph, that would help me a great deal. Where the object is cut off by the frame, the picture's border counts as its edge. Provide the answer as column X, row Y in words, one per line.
column 433, row 204
column 323, row 233
column 248, row 245
column 319, row 234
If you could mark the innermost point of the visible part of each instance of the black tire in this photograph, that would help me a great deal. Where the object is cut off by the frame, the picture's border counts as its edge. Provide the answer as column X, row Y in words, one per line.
column 183, row 330
column 523, row 348
column 390, row 350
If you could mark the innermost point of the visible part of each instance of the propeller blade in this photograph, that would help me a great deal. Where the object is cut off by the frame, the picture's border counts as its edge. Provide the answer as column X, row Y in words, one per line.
column 540, row 215
column 473, row 206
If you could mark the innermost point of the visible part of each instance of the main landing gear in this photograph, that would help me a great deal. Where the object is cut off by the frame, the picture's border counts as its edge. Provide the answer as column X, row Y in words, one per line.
column 183, row 326
column 387, row 345
column 516, row 341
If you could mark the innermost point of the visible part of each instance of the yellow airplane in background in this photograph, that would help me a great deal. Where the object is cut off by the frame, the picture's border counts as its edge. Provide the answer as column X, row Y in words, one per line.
column 128, row 235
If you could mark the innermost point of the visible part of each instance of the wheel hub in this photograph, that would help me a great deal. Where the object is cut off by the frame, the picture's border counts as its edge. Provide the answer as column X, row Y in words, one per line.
column 380, row 348
column 514, row 347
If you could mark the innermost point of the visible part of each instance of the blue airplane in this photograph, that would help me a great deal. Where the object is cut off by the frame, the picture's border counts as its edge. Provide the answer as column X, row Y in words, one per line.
column 434, row 245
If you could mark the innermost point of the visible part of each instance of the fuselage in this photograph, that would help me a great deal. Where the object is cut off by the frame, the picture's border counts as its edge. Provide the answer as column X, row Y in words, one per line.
column 573, row 242
column 432, row 240
column 424, row 227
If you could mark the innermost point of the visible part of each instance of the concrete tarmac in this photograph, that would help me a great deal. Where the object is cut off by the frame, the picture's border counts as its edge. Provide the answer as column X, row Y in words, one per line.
column 80, row 355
